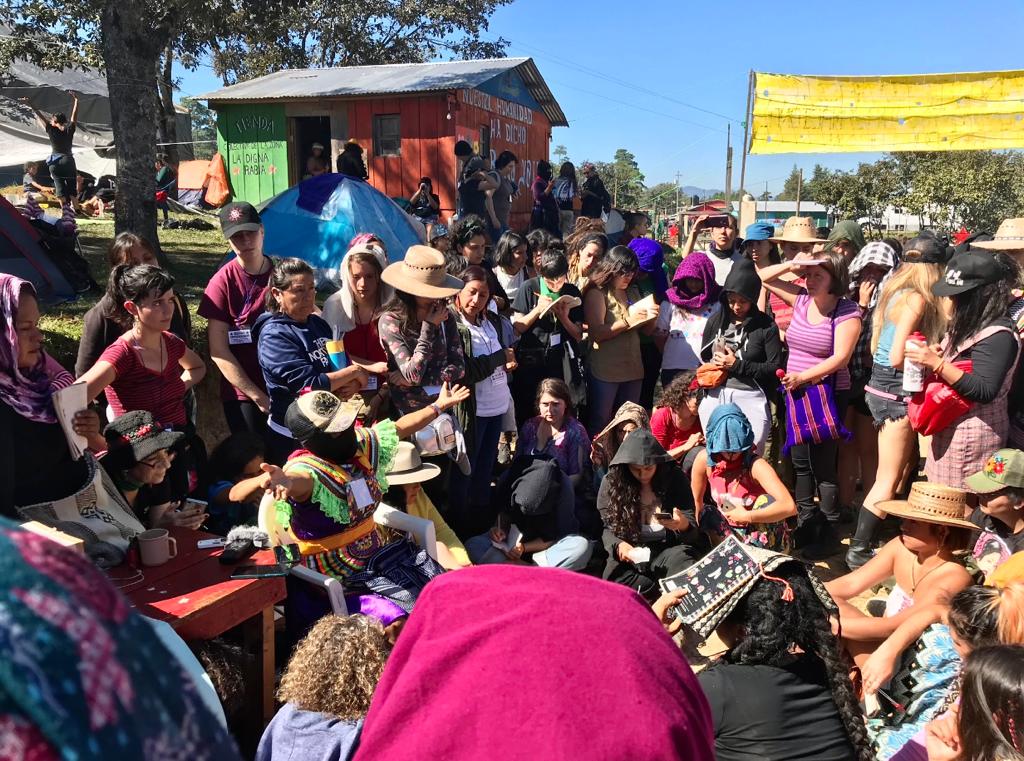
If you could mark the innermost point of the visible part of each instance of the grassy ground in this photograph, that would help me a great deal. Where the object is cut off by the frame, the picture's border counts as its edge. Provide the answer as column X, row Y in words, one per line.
column 194, row 256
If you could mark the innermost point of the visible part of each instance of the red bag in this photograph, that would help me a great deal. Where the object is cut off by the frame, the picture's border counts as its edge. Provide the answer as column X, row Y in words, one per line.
column 934, row 408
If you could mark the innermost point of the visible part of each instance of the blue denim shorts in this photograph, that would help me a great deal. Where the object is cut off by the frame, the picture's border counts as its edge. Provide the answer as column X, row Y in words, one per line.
column 887, row 380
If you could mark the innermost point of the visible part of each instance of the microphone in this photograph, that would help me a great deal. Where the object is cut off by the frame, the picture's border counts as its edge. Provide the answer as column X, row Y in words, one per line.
column 243, row 541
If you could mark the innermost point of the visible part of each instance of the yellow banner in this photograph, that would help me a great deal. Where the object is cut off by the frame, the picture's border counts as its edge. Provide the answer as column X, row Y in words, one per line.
column 929, row 112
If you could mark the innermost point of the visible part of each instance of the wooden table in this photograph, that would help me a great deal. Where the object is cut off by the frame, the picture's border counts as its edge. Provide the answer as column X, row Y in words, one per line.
column 194, row 593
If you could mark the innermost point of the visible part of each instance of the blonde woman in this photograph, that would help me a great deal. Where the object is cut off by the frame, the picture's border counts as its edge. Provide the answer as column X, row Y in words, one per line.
column 906, row 305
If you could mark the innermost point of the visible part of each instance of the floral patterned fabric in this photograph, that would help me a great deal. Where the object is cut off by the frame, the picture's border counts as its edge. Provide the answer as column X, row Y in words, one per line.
column 83, row 676
column 429, row 357
column 732, row 488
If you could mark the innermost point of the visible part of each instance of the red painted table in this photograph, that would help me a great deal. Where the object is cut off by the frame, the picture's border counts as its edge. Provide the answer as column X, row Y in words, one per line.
column 194, row 593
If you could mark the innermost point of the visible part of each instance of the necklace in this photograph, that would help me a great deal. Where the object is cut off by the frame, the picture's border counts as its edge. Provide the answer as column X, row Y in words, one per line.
column 913, row 572
column 259, row 270
column 136, row 342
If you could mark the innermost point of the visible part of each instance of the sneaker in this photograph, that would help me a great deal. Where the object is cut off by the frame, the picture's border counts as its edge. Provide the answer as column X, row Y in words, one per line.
column 504, row 452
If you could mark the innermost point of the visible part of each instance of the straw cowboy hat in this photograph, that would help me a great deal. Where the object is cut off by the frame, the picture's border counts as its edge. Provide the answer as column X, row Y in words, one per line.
column 931, row 503
column 1009, row 237
column 799, row 230
column 422, row 273
column 408, row 468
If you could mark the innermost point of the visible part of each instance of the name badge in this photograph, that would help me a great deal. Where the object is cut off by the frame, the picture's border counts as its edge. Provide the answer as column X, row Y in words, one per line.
column 359, row 493
column 240, row 336
column 431, row 390
column 371, row 383
column 498, row 378
column 555, row 340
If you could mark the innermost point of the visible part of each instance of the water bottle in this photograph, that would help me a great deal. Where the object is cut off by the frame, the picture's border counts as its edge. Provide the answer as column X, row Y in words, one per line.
column 913, row 373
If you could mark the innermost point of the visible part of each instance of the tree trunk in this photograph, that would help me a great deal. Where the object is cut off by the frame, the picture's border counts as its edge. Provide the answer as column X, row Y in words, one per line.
column 168, row 132
column 131, row 52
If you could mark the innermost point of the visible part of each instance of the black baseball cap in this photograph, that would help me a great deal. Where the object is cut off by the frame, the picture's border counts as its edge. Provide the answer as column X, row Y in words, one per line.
column 967, row 271
column 926, row 248
column 239, row 217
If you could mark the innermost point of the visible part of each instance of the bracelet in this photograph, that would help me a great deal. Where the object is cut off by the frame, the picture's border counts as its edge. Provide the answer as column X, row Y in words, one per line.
column 436, row 409
column 938, row 369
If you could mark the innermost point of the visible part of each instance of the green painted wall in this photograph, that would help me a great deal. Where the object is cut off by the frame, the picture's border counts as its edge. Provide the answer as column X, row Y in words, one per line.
column 252, row 138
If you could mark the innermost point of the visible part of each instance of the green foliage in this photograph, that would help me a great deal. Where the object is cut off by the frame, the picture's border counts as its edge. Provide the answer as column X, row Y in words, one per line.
column 663, row 197
column 560, row 154
column 204, row 127
column 624, row 180
column 789, row 188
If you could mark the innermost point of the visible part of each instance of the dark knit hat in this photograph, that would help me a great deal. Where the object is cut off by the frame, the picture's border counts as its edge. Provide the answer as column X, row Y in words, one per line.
column 135, row 436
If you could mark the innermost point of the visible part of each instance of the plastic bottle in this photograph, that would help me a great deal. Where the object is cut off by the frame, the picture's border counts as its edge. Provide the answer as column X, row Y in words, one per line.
column 913, row 373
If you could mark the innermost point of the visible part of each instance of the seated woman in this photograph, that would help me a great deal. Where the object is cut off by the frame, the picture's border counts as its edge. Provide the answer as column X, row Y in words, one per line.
column 40, row 478
column 407, row 474
column 326, row 690
column 233, row 490
column 291, row 341
column 650, row 530
column 750, row 500
column 1000, row 512
column 628, row 418
column 148, row 367
column 139, row 456
column 977, row 617
column 537, row 521
column 990, row 721
column 555, row 432
column 922, row 560
column 676, row 423
column 781, row 644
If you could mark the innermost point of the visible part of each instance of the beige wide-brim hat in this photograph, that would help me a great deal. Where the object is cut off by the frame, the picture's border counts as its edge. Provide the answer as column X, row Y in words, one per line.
column 798, row 230
column 931, row 503
column 1009, row 237
column 422, row 273
column 408, row 468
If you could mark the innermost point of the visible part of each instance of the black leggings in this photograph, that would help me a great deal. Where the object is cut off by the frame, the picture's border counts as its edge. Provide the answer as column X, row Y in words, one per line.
column 815, row 467
column 244, row 417
column 665, row 561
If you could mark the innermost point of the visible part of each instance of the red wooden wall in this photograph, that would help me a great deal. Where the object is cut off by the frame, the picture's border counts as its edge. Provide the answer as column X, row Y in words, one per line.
column 428, row 144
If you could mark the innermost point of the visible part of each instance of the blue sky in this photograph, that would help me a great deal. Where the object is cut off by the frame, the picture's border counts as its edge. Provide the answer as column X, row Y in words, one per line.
column 623, row 79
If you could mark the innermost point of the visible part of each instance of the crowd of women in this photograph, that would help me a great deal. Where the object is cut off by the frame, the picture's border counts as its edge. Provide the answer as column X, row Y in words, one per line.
column 597, row 403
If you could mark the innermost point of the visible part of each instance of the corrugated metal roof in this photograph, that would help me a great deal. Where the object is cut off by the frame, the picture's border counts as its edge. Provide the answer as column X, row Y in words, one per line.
column 396, row 78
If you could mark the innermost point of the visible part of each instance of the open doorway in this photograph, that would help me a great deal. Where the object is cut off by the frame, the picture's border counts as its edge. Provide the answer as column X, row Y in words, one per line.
column 306, row 131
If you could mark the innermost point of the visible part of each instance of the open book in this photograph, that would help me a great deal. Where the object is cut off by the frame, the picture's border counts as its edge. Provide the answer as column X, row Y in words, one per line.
column 711, row 580
column 66, row 402
column 513, row 538
column 572, row 301
column 645, row 304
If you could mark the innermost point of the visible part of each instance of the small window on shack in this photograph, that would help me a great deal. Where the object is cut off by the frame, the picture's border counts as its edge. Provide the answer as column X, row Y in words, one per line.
column 387, row 137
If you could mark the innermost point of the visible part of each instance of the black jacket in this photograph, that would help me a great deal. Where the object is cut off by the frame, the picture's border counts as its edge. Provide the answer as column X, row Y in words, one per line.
column 594, row 198
column 760, row 353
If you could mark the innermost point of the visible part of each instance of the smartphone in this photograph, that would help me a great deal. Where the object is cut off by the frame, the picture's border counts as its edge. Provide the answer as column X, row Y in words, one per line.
column 211, row 544
column 287, row 553
column 260, row 571
column 719, row 221
column 663, row 515
column 189, row 502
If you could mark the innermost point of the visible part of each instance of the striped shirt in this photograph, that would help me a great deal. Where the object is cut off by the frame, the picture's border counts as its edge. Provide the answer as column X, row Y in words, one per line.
column 136, row 387
column 810, row 344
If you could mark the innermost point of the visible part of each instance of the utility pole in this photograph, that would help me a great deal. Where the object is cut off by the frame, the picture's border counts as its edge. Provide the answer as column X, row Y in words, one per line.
column 728, row 165
column 679, row 213
column 799, row 190
column 766, row 199
column 746, row 132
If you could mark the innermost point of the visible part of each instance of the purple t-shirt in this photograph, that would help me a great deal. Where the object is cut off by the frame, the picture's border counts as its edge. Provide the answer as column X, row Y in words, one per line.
column 237, row 298
column 811, row 344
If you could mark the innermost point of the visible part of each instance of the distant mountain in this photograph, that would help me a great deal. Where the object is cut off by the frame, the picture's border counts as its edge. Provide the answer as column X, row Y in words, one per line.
column 692, row 190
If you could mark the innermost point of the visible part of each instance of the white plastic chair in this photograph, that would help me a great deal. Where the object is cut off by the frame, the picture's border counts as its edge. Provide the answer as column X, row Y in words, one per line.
column 420, row 529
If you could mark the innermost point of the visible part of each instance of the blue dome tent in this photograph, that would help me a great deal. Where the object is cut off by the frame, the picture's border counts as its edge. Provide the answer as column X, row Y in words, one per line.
column 316, row 219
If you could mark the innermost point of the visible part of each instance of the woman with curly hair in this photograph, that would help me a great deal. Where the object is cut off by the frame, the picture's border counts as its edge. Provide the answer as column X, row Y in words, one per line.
column 584, row 253
column 326, row 690
column 650, row 530
column 781, row 644
column 675, row 422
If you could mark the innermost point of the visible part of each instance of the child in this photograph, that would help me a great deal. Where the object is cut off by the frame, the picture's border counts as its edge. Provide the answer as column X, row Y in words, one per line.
column 675, row 423
column 743, row 485
column 235, row 481
column 326, row 690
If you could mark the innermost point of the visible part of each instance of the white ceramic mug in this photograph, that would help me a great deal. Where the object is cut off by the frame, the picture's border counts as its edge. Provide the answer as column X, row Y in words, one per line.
column 157, row 546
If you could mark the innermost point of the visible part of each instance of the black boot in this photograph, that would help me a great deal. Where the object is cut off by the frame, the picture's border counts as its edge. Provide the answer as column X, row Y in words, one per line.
column 826, row 543
column 862, row 544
